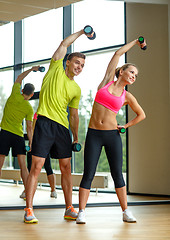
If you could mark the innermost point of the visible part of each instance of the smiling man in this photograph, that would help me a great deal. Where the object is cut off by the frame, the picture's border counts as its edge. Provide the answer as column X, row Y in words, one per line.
column 51, row 134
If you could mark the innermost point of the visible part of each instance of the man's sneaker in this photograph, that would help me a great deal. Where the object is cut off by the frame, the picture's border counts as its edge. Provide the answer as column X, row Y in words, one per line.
column 70, row 213
column 53, row 194
column 23, row 195
column 29, row 216
column 81, row 219
column 128, row 216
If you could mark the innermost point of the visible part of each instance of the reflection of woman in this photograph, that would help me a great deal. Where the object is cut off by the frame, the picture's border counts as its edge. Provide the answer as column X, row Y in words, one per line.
column 104, row 131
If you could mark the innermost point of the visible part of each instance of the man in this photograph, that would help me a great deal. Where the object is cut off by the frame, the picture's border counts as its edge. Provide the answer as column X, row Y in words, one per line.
column 16, row 109
column 51, row 134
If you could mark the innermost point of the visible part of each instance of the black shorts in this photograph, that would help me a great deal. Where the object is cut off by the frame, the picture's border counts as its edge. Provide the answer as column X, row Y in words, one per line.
column 51, row 137
column 7, row 140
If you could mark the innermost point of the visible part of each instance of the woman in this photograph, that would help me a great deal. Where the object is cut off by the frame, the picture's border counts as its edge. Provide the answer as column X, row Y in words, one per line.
column 104, row 131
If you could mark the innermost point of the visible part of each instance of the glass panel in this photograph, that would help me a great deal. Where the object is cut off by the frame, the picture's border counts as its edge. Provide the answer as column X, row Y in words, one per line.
column 42, row 34
column 6, row 83
column 107, row 22
column 35, row 78
column 7, row 45
column 34, row 104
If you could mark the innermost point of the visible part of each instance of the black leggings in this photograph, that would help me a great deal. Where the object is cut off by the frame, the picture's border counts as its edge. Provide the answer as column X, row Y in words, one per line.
column 47, row 164
column 112, row 143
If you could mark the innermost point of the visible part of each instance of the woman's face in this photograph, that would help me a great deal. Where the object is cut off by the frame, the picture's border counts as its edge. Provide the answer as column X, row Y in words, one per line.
column 130, row 74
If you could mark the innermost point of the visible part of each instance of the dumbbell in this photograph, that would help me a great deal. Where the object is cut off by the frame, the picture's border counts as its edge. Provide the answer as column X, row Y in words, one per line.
column 122, row 130
column 40, row 69
column 141, row 40
column 88, row 30
column 76, row 147
column 27, row 148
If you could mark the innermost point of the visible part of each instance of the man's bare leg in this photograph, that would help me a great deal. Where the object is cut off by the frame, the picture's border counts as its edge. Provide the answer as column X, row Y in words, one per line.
column 66, row 180
column 31, row 185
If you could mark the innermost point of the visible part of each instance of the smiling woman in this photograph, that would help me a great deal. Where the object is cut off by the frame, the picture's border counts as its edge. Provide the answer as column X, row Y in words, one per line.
column 104, row 130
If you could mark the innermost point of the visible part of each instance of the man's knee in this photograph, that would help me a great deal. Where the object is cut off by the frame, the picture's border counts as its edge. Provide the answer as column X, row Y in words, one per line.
column 37, row 164
column 65, row 168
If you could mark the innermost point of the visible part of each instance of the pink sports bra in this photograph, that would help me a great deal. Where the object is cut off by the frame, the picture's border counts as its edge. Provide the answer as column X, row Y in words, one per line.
column 108, row 100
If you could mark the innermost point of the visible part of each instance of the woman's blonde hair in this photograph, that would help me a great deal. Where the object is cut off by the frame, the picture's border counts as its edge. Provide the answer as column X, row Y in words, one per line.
column 124, row 67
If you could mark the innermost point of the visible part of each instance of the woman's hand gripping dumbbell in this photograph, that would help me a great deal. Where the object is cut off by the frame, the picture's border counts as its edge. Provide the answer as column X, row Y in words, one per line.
column 121, row 129
column 142, row 43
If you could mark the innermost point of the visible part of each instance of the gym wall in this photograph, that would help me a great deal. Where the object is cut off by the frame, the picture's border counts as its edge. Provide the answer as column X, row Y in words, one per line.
column 149, row 141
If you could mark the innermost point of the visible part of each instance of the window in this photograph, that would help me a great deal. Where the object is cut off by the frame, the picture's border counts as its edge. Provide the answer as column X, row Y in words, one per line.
column 35, row 78
column 7, row 45
column 107, row 20
column 42, row 35
column 6, row 83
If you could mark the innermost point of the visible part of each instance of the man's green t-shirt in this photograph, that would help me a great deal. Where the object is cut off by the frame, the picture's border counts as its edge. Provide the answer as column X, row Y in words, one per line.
column 58, row 92
column 16, row 109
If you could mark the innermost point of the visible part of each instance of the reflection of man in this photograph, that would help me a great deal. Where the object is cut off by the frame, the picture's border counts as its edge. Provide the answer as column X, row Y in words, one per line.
column 51, row 134
column 16, row 109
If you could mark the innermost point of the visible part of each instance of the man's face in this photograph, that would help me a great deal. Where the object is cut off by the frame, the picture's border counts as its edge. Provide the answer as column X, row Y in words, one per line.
column 75, row 65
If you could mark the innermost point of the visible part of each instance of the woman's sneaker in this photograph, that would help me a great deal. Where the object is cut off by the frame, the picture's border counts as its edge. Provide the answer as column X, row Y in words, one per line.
column 53, row 194
column 29, row 216
column 81, row 219
column 128, row 216
column 70, row 213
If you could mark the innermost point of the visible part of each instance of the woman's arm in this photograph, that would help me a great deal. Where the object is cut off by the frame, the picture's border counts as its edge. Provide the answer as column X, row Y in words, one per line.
column 140, row 114
column 110, row 72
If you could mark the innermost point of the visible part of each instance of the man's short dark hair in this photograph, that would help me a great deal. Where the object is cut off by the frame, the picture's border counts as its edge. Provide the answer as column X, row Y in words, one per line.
column 28, row 89
column 76, row 54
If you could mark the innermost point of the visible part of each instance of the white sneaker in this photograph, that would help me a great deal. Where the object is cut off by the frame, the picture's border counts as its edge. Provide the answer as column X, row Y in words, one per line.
column 23, row 196
column 81, row 219
column 128, row 216
column 53, row 194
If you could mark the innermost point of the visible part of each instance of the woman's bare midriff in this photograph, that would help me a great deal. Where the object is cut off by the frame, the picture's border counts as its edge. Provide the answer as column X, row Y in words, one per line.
column 102, row 118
